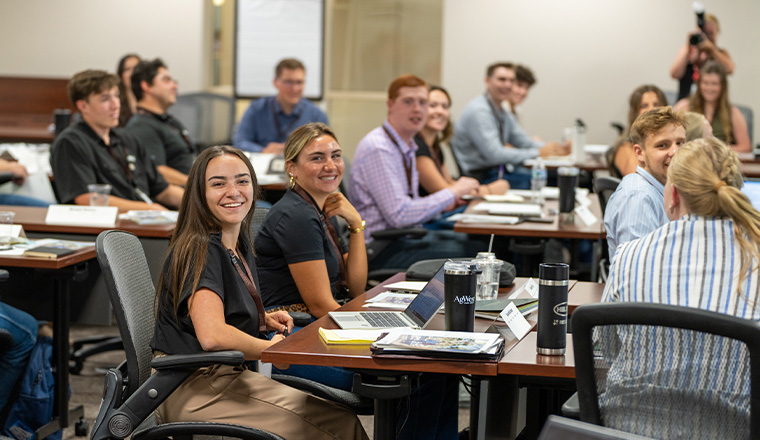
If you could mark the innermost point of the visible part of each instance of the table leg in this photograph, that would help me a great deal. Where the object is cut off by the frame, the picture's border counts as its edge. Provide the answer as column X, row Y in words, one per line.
column 61, row 310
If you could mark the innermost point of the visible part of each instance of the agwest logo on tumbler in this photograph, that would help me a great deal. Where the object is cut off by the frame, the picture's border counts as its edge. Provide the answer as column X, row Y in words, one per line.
column 464, row 299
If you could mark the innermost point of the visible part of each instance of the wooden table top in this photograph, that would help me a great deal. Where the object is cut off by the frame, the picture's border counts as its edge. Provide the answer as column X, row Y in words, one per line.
column 523, row 360
column 546, row 230
column 306, row 347
column 26, row 127
column 78, row 256
column 33, row 220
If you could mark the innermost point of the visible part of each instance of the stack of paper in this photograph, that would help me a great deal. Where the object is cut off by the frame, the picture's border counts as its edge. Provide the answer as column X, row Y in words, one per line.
column 391, row 300
column 148, row 217
column 512, row 209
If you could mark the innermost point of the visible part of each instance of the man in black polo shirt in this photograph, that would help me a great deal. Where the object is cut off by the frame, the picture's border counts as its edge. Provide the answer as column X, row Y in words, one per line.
column 95, row 151
column 162, row 135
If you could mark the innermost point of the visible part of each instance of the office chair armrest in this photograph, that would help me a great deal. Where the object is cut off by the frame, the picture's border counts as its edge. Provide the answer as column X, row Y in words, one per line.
column 391, row 234
column 195, row 361
column 360, row 405
column 4, row 275
column 572, row 408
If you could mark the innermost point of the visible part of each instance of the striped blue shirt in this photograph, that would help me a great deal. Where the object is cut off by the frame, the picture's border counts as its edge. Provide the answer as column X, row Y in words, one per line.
column 635, row 209
column 694, row 262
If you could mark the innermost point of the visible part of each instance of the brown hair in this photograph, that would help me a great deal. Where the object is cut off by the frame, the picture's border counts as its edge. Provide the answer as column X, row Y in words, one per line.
column 289, row 64
column 85, row 83
column 507, row 65
column 189, row 243
column 125, row 112
column 708, row 177
column 634, row 102
column 302, row 137
column 404, row 81
column 723, row 106
column 653, row 121
column 694, row 129
column 524, row 74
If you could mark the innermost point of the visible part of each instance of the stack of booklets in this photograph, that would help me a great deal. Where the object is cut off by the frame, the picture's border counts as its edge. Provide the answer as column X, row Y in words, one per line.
column 441, row 344
column 53, row 248
column 491, row 308
column 152, row 217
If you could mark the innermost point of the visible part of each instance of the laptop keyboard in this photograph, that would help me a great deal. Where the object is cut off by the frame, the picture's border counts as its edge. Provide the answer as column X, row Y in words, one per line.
column 384, row 319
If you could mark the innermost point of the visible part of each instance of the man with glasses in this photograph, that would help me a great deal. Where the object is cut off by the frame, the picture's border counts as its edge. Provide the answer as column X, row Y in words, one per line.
column 268, row 121
column 162, row 135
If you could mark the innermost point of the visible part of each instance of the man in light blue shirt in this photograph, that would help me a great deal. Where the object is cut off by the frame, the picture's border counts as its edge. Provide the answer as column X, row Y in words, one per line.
column 637, row 208
column 268, row 121
column 487, row 137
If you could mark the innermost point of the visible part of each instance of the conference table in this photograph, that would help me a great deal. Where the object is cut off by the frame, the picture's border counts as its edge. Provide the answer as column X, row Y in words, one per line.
column 91, row 304
column 306, row 348
column 61, row 271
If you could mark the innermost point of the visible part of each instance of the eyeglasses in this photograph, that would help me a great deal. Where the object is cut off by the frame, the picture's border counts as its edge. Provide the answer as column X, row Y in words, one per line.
column 292, row 82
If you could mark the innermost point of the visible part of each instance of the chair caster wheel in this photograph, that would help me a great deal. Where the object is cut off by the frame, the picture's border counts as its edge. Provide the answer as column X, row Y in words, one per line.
column 81, row 428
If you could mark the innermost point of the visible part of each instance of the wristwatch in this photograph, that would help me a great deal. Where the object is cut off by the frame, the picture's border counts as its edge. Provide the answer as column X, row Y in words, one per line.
column 359, row 229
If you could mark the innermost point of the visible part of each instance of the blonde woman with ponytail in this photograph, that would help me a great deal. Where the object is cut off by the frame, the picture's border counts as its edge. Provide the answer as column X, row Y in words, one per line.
column 706, row 257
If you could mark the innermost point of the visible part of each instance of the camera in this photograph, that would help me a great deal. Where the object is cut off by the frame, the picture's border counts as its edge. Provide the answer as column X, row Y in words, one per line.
column 695, row 39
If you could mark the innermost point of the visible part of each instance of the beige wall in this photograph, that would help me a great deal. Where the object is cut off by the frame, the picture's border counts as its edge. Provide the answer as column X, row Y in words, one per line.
column 588, row 55
column 59, row 38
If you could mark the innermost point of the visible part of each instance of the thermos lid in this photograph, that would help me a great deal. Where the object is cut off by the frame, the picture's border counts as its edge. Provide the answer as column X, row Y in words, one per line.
column 458, row 268
column 568, row 171
column 554, row 271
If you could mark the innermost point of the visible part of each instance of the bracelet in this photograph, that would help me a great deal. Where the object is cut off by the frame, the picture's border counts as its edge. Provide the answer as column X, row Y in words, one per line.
column 357, row 230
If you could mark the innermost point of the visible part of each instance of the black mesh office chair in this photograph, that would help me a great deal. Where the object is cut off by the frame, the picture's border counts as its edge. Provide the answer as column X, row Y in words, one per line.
column 667, row 371
column 604, row 187
column 209, row 117
column 131, row 393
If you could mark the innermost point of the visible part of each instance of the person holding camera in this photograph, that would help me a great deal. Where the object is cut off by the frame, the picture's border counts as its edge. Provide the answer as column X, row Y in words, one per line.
column 701, row 46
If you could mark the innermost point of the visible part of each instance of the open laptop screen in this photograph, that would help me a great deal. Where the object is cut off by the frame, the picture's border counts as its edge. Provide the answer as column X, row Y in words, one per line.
column 752, row 189
column 428, row 301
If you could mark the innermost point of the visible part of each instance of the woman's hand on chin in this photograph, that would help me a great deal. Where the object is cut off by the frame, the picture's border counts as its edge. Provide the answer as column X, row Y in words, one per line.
column 338, row 204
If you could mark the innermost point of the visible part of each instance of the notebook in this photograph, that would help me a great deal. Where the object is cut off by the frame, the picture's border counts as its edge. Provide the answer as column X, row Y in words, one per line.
column 416, row 315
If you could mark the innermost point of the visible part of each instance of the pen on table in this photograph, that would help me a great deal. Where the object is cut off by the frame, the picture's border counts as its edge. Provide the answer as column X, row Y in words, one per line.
column 501, row 171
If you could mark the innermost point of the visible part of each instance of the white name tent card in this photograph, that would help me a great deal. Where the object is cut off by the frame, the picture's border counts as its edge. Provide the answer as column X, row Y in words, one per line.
column 77, row 215
column 515, row 321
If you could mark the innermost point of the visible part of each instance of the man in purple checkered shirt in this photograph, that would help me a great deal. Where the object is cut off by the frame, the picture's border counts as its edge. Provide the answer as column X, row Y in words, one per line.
column 384, row 182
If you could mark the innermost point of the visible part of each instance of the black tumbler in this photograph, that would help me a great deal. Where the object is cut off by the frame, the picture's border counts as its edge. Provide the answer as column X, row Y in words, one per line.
column 567, row 180
column 459, row 285
column 552, row 308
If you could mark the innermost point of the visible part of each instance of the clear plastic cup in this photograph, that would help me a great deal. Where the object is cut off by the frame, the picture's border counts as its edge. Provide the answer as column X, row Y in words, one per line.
column 99, row 193
column 488, row 279
column 6, row 228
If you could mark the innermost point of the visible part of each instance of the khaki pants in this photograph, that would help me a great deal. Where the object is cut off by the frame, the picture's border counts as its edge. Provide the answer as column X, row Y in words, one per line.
column 233, row 395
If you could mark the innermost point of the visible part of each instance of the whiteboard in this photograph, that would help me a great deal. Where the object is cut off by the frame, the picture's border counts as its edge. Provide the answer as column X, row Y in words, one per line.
column 268, row 31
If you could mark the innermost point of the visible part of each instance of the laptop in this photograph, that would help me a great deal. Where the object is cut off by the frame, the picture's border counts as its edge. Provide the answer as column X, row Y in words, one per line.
column 751, row 189
column 416, row 315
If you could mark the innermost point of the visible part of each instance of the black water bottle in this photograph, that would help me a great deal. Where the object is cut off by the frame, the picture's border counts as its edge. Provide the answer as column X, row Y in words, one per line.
column 459, row 285
column 552, row 308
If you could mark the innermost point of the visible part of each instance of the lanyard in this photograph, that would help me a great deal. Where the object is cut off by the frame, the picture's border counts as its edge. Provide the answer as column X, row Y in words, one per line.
column 171, row 122
column 332, row 234
column 407, row 163
column 499, row 122
column 281, row 136
column 125, row 163
column 248, row 280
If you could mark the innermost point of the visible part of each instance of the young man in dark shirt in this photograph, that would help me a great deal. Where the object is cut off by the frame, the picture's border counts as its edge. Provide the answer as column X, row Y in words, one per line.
column 162, row 135
column 95, row 151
